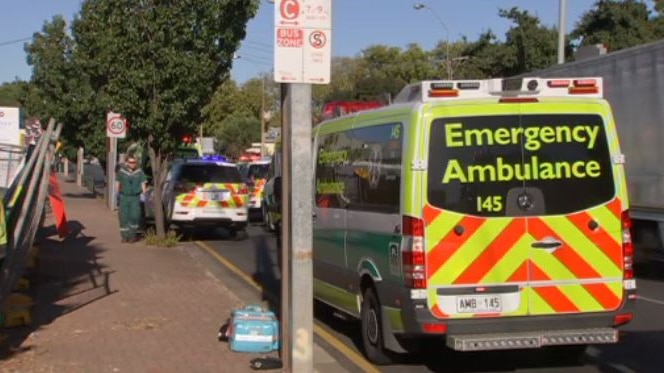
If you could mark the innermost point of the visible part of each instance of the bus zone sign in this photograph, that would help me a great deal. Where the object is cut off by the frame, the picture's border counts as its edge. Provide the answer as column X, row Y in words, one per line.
column 303, row 33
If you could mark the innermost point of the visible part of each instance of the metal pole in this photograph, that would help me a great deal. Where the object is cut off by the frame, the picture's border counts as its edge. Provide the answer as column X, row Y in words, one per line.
column 561, row 30
column 263, row 121
column 79, row 167
column 297, row 229
column 448, row 60
column 285, row 234
column 111, row 161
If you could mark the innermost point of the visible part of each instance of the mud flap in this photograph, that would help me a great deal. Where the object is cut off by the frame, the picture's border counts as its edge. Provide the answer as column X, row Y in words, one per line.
column 390, row 342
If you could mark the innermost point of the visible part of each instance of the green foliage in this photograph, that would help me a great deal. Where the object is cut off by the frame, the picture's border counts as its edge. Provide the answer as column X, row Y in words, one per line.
column 237, row 132
column 158, row 64
column 528, row 45
column 11, row 93
column 620, row 24
column 171, row 238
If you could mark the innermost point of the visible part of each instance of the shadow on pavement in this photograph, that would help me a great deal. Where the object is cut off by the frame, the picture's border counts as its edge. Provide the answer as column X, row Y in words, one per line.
column 66, row 278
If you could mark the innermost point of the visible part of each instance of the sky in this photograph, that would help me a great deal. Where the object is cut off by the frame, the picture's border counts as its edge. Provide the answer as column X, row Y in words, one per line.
column 356, row 25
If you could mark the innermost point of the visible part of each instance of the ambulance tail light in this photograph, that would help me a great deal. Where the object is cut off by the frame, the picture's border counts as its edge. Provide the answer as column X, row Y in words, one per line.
column 627, row 246
column 622, row 319
column 443, row 89
column 558, row 83
column 584, row 86
column 413, row 254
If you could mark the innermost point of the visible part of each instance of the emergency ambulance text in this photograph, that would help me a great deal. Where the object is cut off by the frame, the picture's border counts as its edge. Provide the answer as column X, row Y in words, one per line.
column 534, row 137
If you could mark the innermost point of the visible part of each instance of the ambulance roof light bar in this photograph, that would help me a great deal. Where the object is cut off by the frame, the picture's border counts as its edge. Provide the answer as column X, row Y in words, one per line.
column 443, row 90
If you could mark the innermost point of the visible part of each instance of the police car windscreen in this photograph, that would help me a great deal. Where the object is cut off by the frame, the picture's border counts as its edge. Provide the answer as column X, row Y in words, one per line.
column 478, row 164
column 210, row 173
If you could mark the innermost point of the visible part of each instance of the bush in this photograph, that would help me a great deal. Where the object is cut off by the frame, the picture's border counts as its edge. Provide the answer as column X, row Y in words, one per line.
column 171, row 239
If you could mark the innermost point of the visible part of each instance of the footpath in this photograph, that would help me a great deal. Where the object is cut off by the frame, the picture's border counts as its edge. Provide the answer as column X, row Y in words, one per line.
column 106, row 306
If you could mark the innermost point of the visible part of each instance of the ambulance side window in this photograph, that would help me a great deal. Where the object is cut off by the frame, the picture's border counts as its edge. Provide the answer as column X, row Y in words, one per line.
column 376, row 157
column 334, row 187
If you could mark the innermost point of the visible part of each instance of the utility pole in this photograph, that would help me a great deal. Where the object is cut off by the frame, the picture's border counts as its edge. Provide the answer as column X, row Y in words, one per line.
column 264, row 118
column 448, row 61
column 561, row 30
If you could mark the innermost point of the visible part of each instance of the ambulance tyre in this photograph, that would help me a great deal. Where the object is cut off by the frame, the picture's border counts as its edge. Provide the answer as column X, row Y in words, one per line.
column 372, row 332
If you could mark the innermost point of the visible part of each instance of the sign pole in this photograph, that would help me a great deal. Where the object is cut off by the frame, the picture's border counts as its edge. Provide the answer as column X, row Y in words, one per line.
column 297, row 228
column 302, row 55
column 110, row 171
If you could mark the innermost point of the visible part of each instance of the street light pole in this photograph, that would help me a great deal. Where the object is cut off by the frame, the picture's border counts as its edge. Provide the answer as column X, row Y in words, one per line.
column 420, row 6
column 561, row 30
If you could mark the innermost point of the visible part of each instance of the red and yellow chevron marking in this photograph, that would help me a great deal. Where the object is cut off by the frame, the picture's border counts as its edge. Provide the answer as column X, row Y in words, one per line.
column 192, row 200
column 499, row 251
column 259, row 185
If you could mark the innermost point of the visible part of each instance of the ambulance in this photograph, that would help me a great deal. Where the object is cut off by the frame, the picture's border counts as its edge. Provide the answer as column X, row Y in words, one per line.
column 477, row 215
column 255, row 174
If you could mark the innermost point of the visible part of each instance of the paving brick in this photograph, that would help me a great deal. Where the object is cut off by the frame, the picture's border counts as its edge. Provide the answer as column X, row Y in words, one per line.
column 105, row 306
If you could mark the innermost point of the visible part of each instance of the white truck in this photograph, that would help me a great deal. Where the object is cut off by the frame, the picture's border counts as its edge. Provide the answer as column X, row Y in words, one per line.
column 634, row 85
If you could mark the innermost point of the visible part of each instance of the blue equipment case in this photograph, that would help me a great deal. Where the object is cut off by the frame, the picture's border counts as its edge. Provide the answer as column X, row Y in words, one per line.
column 253, row 330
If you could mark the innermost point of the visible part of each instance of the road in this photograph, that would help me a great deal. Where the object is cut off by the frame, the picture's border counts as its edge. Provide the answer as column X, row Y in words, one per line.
column 640, row 349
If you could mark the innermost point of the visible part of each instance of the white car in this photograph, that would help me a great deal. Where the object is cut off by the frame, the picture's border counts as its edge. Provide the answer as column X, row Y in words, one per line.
column 205, row 192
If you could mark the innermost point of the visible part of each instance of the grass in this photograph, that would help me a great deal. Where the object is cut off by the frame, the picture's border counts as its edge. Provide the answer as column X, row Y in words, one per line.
column 171, row 239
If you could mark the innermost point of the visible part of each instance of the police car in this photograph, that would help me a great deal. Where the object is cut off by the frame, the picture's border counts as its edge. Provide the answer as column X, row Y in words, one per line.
column 208, row 191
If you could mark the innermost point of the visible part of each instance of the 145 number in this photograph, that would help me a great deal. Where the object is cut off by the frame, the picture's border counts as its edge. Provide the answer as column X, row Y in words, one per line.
column 489, row 203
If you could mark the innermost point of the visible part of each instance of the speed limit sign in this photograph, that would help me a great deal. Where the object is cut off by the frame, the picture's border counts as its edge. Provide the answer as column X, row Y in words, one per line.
column 116, row 126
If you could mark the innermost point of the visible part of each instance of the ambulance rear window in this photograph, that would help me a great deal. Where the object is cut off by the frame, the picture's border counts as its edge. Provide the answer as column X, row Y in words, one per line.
column 257, row 171
column 210, row 173
column 519, row 165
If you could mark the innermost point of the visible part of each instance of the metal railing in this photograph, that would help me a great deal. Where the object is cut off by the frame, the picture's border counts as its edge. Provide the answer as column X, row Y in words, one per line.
column 24, row 201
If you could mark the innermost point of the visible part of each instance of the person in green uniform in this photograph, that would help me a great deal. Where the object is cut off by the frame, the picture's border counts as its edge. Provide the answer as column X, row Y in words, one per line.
column 131, row 182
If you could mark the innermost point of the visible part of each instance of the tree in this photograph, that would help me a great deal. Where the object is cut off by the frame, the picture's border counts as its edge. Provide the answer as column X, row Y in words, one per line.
column 11, row 93
column 528, row 45
column 237, row 132
column 619, row 24
column 58, row 89
column 158, row 63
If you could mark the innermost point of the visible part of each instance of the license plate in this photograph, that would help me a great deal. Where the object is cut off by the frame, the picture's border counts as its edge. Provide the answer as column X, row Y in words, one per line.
column 479, row 304
column 216, row 196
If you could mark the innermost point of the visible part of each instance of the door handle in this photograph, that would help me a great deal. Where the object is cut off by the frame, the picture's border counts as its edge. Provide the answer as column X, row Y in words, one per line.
column 546, row 244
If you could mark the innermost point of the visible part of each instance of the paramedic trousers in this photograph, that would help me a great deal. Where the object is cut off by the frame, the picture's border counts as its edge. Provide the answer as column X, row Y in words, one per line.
column 130, row 216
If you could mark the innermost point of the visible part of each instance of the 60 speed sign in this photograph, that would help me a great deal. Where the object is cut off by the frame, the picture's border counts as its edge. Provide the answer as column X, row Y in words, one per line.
column 116, row 126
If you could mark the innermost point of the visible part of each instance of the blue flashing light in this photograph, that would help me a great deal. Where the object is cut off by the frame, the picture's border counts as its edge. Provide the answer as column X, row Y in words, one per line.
column 215, row 157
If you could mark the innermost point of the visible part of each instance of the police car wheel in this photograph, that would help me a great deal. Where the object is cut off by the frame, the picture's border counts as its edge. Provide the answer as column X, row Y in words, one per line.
column 372, row 332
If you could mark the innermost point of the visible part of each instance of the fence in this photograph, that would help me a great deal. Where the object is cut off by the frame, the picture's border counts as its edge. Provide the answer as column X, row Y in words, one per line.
column 24, row 201
column 11, row 159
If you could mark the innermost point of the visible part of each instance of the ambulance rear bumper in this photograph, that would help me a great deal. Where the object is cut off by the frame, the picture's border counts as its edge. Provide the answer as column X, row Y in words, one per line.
column 516, row 340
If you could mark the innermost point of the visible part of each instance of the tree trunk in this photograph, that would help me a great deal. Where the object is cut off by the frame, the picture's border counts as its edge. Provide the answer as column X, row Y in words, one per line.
column 159, row 167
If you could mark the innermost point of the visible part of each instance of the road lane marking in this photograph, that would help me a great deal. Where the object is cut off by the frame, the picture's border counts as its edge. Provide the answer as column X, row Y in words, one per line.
column 333, row 341
column 651, row 300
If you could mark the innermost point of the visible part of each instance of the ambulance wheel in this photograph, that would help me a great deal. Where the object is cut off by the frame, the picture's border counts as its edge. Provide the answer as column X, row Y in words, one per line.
column 372, row 331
